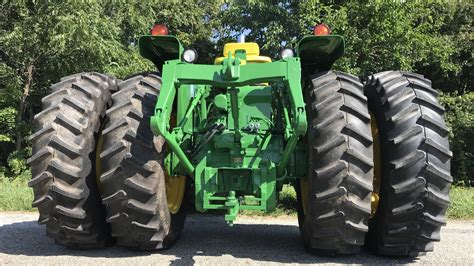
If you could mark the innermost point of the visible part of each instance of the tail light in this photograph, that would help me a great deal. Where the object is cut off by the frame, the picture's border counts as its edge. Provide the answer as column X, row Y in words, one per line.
column 321, row 29
column 159, row 29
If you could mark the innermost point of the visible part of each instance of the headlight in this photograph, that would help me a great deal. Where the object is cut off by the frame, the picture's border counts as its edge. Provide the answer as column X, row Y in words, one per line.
column 286, row 53
column 189, row 55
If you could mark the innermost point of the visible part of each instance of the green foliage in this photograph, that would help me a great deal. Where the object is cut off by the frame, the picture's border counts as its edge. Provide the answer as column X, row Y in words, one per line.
column 192, row 22
column 15, row 195
column 7, row 129
column 395, row 35
column 460, row 119
column 59, row 38
column 380, row 35
column 462, row 203
column 287, row 199
column 17, row 163
column 7, row 124
column 458, row 28
column 286, row 204
column 272, row 24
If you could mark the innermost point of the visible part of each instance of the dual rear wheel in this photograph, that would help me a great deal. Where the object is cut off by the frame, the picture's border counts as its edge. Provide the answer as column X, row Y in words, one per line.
column 94, row 138
column 378, row 166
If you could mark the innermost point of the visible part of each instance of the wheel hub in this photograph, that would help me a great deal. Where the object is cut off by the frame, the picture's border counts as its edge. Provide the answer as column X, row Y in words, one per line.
column 377, row 165
column 175, row 188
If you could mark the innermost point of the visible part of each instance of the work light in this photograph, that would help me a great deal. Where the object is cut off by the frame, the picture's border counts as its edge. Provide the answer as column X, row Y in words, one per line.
column 189, row 55
column 286, row 53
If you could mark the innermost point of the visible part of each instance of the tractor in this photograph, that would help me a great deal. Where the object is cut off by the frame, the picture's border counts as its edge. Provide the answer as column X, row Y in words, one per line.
column 122, row 161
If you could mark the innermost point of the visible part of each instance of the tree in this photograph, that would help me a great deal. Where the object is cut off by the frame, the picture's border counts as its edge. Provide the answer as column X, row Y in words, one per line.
column 379, row 35
column 42, row 41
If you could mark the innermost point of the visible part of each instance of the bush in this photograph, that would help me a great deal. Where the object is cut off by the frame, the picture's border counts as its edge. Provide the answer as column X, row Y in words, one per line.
column 17, row 167
column 460, row 120
column 287, row 199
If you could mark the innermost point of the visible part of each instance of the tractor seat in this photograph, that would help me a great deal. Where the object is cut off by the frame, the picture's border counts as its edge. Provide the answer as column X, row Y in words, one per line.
column 252, row 51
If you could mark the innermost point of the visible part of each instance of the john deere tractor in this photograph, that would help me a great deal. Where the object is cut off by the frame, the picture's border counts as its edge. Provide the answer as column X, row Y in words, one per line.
column 122, row 161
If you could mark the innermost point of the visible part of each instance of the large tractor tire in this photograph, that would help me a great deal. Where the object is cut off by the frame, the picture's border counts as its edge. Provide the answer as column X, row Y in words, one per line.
column 414, row 164
column 334, row 200
column 133, row 183
column 63, row 160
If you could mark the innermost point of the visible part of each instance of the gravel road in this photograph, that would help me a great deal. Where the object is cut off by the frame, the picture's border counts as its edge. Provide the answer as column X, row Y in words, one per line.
column 208, row 240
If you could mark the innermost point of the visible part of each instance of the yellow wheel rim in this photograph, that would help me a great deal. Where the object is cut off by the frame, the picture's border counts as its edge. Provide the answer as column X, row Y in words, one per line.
column 377, row 165
column 175, row 185
column 175, row 188
column 304, row 187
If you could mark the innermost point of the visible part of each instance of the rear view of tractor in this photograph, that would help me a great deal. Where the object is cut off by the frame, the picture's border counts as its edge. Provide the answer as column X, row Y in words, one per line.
column 122, row 161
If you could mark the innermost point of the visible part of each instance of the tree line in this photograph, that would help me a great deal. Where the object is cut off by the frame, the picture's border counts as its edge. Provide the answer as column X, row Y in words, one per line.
column 42, row 41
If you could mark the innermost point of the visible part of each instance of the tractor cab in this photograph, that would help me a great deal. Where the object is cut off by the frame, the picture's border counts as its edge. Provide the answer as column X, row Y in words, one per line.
column 249, row 52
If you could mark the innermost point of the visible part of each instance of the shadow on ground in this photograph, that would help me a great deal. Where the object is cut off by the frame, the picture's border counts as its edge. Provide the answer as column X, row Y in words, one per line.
column 204, row 235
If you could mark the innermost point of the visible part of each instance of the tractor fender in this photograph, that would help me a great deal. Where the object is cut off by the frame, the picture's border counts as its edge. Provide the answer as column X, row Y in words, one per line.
column 160, row 48
column 320, row 52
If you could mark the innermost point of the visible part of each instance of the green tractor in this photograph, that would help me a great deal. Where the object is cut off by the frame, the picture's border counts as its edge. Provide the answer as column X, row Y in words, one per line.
column 123, row 161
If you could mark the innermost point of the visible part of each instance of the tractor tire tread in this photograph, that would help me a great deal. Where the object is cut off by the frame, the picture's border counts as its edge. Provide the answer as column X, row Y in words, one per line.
column 415, row 163
column 63, row 179
column 133, row 177
column 340, row 165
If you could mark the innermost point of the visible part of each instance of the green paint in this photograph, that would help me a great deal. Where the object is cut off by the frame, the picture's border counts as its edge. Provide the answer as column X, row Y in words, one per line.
column 239, row 127
column 160, row 48
column 320, row 52
column 220, row 102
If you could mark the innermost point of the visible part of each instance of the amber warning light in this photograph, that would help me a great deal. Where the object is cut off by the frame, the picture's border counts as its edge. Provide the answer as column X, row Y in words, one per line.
column 321, row 29
column 159, row 29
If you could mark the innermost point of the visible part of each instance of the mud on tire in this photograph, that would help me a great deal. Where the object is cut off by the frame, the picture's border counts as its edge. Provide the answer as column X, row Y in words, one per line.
column 63, row 165
column 133, row 179
column 340, row 165
column 415, row 168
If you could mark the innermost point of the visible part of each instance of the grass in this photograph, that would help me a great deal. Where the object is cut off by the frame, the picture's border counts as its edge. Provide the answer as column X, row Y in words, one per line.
column 462, row 203
column 17, row 196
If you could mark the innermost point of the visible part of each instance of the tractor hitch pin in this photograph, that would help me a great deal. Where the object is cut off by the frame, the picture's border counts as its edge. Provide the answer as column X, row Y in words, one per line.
column 232, row 205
